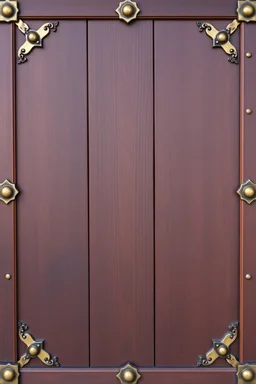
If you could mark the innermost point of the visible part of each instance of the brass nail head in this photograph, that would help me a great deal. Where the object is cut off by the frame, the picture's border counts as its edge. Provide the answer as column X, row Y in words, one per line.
column 248, row 276
column 248, row 111
column 249, row 192
column 247, row 375
column 8, row 276
column 249, row 55
column 9, row 374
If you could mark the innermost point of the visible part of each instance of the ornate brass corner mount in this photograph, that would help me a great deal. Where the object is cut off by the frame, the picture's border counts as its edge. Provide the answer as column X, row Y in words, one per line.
column 246, row 372
column 34, row 38
column 8, row 191
column 222, row 38
column 35, row 348
column 9, row 373
column 128, row 10
column 221, row 348
column 246, row 11
column 128, row 374
column 247, row 191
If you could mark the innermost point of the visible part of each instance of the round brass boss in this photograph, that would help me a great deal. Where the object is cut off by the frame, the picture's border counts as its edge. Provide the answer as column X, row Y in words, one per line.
column 248, row 276
column 129, row 376
column 222, row 37
column 6, row 192
column 248, row 111
column 249, row 192
column 8, row 276
column 223, row 350
column 248, row 10
column 7, row 10
column 249, row 55
column 128, row 10
column 33, row 350
column 247, row 375
column 33, row 37
column 9, row 374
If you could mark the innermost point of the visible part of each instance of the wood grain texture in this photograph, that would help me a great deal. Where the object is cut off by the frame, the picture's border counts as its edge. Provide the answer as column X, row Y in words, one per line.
column 7, row 334
column 197, row 210
column 149, row 8
column 53, row 206
column 149, row 376
column 249, row 211
column 121, row 193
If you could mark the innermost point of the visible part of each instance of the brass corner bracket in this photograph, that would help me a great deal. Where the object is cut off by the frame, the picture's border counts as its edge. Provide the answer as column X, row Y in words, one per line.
column 246, row 12
column 128, row 374
column 35, row 348
column 34, row 38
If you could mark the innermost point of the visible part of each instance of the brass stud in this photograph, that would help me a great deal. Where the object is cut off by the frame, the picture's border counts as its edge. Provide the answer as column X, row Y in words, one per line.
column 247, row 374
column 128, row 10
column 222, row 37
column 129, row 376
column 6, row 192
column 248, row 111
column 223, row 350
column 249, row 192
column 33, row 37
column 248, row 10
column 8, row 276
column 7, row 10
column 249, row 55
column 34, row 350
column 9, row 374
column 248, row 276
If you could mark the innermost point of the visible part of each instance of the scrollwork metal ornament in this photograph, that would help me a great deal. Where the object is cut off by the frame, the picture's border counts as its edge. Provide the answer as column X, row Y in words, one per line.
column 35, row 348
column 221, row 348
column 34, row 38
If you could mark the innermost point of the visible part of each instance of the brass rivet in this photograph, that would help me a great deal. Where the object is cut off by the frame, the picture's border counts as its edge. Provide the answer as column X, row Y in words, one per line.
column 6, row 192
column 248, row 276
column 128, row 10
column 129, row 376
column 249, row 192
column 222, row 37
column 8, row 276
column 247, row 375
column 249, row 55
column 248, row 111
column 223, row 350
column 248, row 10
column 33, row 37
column 7, row 10
column 33, row 350
column 9, row 374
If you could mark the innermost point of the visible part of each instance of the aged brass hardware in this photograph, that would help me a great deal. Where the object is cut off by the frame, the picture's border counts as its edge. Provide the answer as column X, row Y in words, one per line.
column 246, row 11
column 9, row 12
column 128, row 374
column 8, row 276
column 247, row 191
column 35, row 348
column 128, row 10
column 8, row 191
column 222, row 38
column 249, row 55
column 248, row 276
column 248, row 111
column 246, row 373
column 221, row 348
column 9, row 373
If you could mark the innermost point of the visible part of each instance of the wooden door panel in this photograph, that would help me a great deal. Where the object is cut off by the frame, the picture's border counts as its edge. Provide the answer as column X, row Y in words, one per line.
column 52, row 209
column 7, row 222
column 197, row 209
column 248, row 213
column 121, row 193
column 149, row 8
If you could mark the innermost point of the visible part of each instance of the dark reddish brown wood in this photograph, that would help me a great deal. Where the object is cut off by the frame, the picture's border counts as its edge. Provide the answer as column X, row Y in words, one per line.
column 52, row 209
column 249, row 211
column 121, row 193
column 197, row 210
column 149, row 8
column 7, row 335
column 149, row 376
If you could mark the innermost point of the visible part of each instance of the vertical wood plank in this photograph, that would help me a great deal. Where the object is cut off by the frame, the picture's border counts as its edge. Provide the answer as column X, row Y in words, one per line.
column 197, row 210
column 7, row 334
column 121, row 193
column 53, row 206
